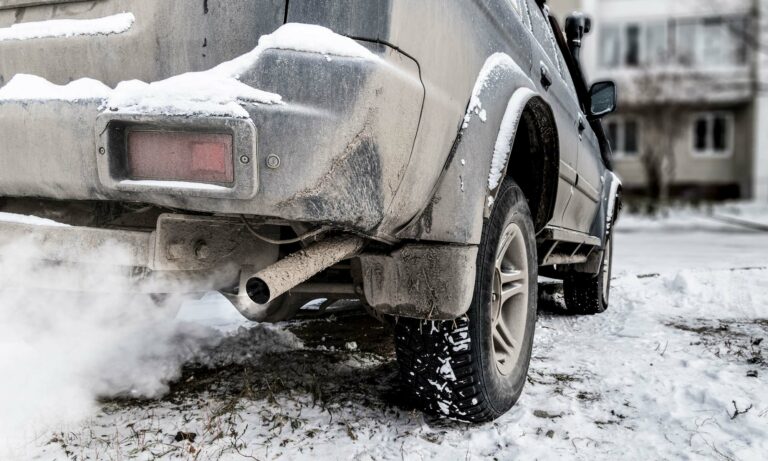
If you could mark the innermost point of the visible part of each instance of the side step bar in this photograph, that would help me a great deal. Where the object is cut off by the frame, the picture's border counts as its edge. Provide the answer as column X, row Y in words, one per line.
column 563, row 246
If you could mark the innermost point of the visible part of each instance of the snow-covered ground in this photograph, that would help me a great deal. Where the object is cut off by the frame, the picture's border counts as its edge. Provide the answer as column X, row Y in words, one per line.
column 676, row 369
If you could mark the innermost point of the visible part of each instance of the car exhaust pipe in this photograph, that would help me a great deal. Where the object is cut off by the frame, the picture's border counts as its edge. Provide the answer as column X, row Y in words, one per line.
column 268, row 284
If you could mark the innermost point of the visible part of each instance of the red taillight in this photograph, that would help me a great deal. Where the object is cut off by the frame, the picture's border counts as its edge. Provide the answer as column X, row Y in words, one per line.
column 179, row 156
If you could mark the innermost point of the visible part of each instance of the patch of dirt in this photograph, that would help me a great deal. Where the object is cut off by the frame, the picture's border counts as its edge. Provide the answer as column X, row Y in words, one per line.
column 328, row 368
column 615, row 420
column 551, row 300
column 589, row 396
column 340, row 330
column 739, row 340
column 554, row 378
column 546, row 415
column 328, row 374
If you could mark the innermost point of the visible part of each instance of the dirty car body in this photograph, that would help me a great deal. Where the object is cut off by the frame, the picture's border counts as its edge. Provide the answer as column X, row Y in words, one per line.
column 393, row 126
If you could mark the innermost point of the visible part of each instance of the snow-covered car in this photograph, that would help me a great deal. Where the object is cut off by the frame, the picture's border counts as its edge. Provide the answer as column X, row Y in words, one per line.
column 431, row 158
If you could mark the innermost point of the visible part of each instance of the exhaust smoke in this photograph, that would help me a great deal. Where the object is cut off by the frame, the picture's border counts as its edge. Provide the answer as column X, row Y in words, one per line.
column 60, row 351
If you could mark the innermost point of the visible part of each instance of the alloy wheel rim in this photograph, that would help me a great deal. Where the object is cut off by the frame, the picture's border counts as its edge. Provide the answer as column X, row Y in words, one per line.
column 509, row 299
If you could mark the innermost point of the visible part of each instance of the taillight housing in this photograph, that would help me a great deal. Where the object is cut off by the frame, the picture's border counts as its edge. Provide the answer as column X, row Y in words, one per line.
column 180, row 156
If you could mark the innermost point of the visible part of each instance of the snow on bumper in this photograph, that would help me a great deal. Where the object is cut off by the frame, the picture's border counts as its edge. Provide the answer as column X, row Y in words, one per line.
column 343, row 135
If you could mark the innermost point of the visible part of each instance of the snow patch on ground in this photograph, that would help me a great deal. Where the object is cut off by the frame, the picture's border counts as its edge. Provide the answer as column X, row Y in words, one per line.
column 676, row 369
column 722, row 217
column 109, row 25
column 684, row 238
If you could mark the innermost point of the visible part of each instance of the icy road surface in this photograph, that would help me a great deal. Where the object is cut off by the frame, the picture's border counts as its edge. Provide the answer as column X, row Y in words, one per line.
column 676, row 370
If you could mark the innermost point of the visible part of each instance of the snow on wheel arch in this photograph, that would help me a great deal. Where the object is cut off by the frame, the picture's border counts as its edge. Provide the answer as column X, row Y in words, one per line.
column 495, row 67
column 503, row 147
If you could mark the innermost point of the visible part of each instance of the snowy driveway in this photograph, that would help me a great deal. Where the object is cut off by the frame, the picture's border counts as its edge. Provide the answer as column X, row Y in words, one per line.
column 676, row 369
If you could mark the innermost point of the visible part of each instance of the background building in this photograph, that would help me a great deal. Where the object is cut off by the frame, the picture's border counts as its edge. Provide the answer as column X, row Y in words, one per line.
column 693, row 82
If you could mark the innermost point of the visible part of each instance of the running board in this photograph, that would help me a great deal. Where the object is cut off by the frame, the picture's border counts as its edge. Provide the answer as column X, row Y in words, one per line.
column 562, row 246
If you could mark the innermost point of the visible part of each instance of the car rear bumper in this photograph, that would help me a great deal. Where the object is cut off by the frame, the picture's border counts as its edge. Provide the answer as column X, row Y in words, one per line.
column 184, row 254
column 338, row 144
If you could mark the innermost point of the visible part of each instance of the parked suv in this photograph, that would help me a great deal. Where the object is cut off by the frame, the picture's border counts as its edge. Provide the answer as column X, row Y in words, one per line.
column 431, row 158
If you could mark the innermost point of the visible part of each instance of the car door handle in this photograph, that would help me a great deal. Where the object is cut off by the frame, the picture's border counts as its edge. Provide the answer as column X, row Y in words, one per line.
column 546, row 77
column 582, row 124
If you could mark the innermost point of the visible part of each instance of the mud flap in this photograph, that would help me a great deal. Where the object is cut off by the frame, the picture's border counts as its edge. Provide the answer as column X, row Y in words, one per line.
column 433, row 282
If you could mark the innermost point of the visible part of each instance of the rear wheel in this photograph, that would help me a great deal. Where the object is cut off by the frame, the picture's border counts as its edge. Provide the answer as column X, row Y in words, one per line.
column 587, row 294
column 474, row 368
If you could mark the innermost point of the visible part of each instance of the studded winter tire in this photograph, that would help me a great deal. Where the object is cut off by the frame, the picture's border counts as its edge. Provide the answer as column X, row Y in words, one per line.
column 474, row 368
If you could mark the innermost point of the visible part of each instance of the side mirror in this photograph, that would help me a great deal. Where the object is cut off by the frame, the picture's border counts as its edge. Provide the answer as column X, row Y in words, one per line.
column 603, row 99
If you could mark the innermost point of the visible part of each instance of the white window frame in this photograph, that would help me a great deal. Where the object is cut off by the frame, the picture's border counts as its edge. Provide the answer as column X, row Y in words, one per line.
column 709, row 151
column 671, row 60
column 700, row 51
column 621, row 121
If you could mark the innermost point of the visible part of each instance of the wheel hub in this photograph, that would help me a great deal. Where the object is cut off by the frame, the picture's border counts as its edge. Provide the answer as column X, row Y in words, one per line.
column 509, row 300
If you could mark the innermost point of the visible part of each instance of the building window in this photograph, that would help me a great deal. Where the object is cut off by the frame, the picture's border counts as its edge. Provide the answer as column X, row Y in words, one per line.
column 708, row 42
column 657, row 42
column 632, row 54
column 713, row 134
column 632, row 45
column 624, row 135
column 712, row 42
column 610, row 46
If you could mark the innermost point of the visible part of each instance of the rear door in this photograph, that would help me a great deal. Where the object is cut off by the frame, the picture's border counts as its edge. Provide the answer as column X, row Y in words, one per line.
column 549, row 77
column 586, row 190
column 589, row 185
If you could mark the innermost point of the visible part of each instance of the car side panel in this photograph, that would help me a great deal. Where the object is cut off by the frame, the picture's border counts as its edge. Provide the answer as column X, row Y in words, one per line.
column 564, row 104
column 451, row 42
column 462, row 35
column 580, row 161
column 591, row 184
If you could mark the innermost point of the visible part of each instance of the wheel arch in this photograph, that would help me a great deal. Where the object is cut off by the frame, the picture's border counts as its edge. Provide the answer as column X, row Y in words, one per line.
column 485, row 151
column 534, row 159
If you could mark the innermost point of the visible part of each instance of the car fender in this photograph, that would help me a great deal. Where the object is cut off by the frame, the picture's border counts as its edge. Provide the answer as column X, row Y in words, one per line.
column 605, row 220
column 609, row 205
column 480, row 155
